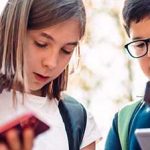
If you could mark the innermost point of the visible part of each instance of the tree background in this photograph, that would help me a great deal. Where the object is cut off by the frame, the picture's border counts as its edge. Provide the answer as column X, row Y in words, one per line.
column 107, row 77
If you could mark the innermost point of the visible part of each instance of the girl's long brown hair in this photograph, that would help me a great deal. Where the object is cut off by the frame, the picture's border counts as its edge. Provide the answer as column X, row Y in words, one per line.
column 22, row 15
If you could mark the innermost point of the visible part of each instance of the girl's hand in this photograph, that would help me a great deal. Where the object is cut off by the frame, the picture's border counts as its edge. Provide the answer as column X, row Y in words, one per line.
column 14, row 142
column 91, row 146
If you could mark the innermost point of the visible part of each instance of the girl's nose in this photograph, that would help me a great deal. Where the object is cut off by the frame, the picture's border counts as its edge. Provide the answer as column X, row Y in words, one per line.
column 50, row 61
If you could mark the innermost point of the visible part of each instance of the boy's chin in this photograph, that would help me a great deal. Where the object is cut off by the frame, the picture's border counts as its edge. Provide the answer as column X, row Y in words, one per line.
column 147, row 77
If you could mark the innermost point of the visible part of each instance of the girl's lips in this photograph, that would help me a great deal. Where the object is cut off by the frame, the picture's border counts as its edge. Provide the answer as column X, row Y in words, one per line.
column 40, row 78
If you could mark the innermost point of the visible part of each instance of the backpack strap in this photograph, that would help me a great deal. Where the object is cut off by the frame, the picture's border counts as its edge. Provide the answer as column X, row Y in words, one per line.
column 124, row 116
column 74, row 117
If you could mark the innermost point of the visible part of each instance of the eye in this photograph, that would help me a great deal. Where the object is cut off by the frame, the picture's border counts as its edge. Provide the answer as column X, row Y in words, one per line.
column 40, row 45
column 67, row 51
column 139, row 44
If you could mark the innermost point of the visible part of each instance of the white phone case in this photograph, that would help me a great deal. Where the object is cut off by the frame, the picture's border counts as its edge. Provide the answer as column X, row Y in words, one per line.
column 143, row 137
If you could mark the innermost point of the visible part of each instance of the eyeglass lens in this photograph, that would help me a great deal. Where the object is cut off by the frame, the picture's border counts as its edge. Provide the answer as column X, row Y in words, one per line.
column 137, row 48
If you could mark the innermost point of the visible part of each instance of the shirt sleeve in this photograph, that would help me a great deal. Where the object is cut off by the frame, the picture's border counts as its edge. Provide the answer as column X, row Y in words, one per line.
column 92, row 133
column 112, row 141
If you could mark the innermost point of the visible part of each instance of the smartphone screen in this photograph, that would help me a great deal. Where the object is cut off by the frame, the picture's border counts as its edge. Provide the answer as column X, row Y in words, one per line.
column 24, row 121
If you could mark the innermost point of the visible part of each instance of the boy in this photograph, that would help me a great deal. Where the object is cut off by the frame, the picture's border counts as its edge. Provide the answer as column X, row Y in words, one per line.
column 136, row 16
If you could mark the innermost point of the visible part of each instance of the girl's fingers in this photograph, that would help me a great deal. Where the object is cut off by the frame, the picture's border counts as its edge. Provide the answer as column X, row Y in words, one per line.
column 13, row 140
column 15, row 143
column 3, row 147
column 28, row 137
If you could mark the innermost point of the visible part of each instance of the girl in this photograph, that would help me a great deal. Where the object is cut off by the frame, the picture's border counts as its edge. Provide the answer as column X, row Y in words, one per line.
column 37, row 40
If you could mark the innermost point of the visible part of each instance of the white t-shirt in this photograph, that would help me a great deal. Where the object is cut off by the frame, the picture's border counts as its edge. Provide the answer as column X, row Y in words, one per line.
column 56, row 137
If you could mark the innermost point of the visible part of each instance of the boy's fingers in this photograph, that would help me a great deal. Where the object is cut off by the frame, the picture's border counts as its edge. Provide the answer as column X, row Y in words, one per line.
column 13, row 140
column 28, row 137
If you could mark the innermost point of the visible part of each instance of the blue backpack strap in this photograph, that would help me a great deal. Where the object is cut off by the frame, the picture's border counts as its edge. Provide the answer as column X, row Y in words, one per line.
column 74, row 117
column 124, row 117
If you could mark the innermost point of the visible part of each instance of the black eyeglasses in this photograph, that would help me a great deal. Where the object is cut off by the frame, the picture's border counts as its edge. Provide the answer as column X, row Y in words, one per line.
column 138, row 48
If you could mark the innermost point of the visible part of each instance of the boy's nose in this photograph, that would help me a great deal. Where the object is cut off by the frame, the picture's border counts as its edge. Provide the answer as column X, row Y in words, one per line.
column 148, row 53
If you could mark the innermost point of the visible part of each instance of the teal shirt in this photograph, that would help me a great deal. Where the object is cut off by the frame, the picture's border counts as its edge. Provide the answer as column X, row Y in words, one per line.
column 139, row 119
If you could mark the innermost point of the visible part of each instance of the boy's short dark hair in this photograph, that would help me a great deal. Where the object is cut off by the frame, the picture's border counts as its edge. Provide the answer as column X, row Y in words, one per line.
column 135, row 10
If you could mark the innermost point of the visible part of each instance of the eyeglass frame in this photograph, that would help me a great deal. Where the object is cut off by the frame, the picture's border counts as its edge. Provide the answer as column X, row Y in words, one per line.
column 142, row 40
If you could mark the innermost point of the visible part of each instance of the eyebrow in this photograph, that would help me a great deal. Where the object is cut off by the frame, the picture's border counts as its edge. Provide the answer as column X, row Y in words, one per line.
column 137, row 38
column 49, row 37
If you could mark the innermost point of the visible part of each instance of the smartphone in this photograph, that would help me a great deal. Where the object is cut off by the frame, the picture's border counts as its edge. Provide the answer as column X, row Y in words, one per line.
column 143, row 138
column 23, row 121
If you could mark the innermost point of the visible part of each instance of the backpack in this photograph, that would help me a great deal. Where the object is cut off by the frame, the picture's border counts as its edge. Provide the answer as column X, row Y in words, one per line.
column 74, row 117
column 123, row 124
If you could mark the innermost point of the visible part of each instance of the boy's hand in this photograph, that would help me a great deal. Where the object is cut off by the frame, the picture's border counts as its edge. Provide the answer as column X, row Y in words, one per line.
column 14, row 143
